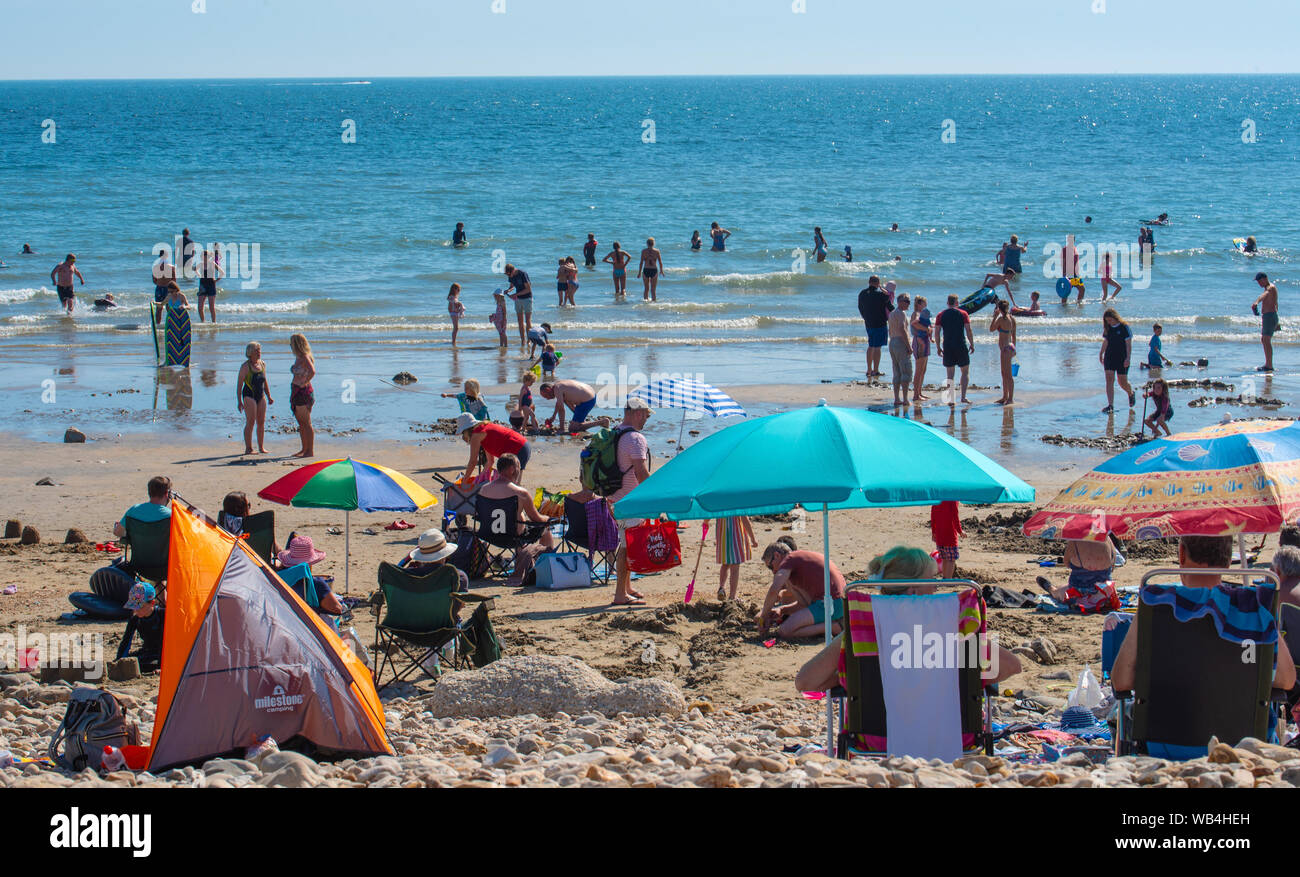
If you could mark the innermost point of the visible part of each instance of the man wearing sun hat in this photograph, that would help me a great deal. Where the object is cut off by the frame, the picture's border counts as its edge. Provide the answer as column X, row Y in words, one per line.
column 296, row 561
column 431, row 553
column 633, row 456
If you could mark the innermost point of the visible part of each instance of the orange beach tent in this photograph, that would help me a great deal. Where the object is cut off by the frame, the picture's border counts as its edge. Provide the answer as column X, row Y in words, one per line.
column 244, row 657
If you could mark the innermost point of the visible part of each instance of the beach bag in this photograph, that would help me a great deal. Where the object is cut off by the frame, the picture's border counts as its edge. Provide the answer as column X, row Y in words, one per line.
column 557, row 572
column 93, row 720
column 550, row 504
column 470, row 556
column 653, row 547
column 483, row 637
column 598, row 463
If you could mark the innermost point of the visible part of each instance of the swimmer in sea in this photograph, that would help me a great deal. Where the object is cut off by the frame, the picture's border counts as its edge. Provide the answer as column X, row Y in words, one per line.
column 651, row 265
column 1106, row 280
column 27, row 250
column 848, row 253
column 819, row 244
column 619, row 257
column 103, row 304
column 696, row 243
column 589, row 252
column 62, row 276
column 894, row 227
column 458, row 238
column 1251, row 246
column 719, row 235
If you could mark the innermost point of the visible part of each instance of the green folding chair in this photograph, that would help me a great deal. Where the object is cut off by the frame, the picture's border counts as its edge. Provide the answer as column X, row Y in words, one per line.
column 420, row 619
column 259, row 531
column 148, row 546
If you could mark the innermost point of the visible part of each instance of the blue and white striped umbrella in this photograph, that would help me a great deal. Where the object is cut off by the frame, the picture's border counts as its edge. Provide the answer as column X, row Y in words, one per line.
column 690, row 395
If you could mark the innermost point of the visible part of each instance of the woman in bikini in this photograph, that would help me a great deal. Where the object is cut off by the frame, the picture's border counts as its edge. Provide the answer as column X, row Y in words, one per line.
column 571, row 288
column 921, row 337
column 301, row 395
column 254, row 394
column 1106, row 281
column 1005, row 325
column 619, row 258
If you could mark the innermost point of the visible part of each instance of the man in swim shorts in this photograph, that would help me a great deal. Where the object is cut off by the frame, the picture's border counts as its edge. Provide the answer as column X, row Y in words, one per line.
column 652, row 263
column 955, row 350
column 900, row 349
column 163, row 273
column 589, row 251
column 575, row 396
column 874, row 306
column 209, row 271
column 61, row 276
column 1267, row 303
column 521, row 290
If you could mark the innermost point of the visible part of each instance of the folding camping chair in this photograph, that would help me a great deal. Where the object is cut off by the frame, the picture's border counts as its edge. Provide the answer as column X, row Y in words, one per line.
column 1191, row 684
column 259, row 530
column 457, row 503
column 498, row 527
column 148, row 547
column 420, row 620
column 862, row 699
column 578, row 534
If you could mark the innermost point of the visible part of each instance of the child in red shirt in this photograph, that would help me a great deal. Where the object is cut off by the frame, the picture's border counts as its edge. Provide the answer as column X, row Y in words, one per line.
column 945, row 529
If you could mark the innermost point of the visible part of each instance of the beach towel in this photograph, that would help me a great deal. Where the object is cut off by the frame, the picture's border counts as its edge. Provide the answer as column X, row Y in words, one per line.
column 1239, row 613
column 922, row 703
column 862, row 631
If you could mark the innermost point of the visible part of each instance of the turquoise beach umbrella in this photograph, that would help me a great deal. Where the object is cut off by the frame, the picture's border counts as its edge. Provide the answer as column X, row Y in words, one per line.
column 835, row 458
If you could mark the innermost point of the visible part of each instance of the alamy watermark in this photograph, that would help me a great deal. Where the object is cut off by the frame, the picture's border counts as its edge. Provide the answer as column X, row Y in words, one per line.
column 234, row 260
column 74, row 650
column 614, row 388
column 1087, row 261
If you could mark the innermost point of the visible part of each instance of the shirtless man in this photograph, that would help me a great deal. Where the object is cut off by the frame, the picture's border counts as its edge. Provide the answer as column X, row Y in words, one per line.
column 530, row 523
column 652, row 263
column 619, row 257
column 61, row 276
column 900, row 349
column 1267, row 302
column 575, row 396
column 993, row 281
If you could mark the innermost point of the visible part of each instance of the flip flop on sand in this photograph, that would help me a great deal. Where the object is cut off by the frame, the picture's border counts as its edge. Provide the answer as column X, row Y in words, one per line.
column 400, row 524
column 635, row 601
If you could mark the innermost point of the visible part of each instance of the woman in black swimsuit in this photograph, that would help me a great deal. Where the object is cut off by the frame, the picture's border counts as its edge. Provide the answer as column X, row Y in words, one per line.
column 254, row 396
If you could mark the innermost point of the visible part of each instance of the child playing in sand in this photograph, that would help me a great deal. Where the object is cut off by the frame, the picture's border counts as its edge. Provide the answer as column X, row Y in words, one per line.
column 549, row 360
column 470, row 400
column 1163, row 405
column 945, row 528
column 1155, row 355
column 498, row 318
column 525, row 407
column 735, row 540
column 456, row 308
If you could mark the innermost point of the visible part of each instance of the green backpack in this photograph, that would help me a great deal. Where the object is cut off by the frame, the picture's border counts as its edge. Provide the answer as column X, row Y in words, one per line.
column 598, row 463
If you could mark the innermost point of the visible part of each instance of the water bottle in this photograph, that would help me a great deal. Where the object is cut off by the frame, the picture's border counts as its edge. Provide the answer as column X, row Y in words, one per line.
column 112, row 759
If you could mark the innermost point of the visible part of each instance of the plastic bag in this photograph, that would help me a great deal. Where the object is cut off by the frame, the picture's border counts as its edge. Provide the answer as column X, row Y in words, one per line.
column 1087, row 693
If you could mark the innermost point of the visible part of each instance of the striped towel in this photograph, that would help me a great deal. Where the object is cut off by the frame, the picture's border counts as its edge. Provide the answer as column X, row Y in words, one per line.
column 1239, row 612
column 862, row 626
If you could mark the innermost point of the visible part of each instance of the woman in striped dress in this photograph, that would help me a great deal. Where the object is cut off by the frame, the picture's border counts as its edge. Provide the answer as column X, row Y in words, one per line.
column 735, row 540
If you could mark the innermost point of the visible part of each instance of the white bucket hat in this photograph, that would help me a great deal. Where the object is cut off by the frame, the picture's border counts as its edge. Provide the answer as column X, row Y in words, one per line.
column 433, row 547
column 465, row 421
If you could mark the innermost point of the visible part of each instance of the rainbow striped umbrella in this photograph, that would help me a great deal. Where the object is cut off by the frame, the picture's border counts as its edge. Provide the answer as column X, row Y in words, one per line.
column 349, row 485
column 1225, row 480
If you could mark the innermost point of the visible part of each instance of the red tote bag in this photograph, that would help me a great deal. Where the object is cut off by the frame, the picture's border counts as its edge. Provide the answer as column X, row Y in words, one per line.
column 653, row 547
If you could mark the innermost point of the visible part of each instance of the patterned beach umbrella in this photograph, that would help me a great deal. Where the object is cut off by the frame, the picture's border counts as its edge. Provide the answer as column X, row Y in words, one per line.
column 688, row 396
column 1227, row 480
column 349, row 485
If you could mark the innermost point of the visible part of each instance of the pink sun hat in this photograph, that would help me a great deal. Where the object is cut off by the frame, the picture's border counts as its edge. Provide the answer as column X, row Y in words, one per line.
column 300, row 550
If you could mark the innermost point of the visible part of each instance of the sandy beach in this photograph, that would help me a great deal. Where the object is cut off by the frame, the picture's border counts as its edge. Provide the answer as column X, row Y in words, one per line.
column 730, row 684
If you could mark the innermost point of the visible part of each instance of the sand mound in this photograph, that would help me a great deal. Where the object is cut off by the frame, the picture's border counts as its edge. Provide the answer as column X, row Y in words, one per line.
column 543, row 686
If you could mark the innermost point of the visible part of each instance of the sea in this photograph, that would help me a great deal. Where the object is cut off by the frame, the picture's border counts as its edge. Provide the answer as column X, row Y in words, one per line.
column 335, row 202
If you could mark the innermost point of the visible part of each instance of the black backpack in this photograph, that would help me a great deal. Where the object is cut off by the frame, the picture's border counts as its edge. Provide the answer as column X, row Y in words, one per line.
column 471, row 555
column 94, row 719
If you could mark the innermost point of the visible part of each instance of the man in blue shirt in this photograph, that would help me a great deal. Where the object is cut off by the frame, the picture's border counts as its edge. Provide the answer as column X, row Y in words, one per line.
column 114, row 581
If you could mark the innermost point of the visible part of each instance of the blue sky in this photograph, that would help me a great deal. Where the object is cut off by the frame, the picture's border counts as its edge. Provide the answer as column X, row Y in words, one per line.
column 76, row 39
